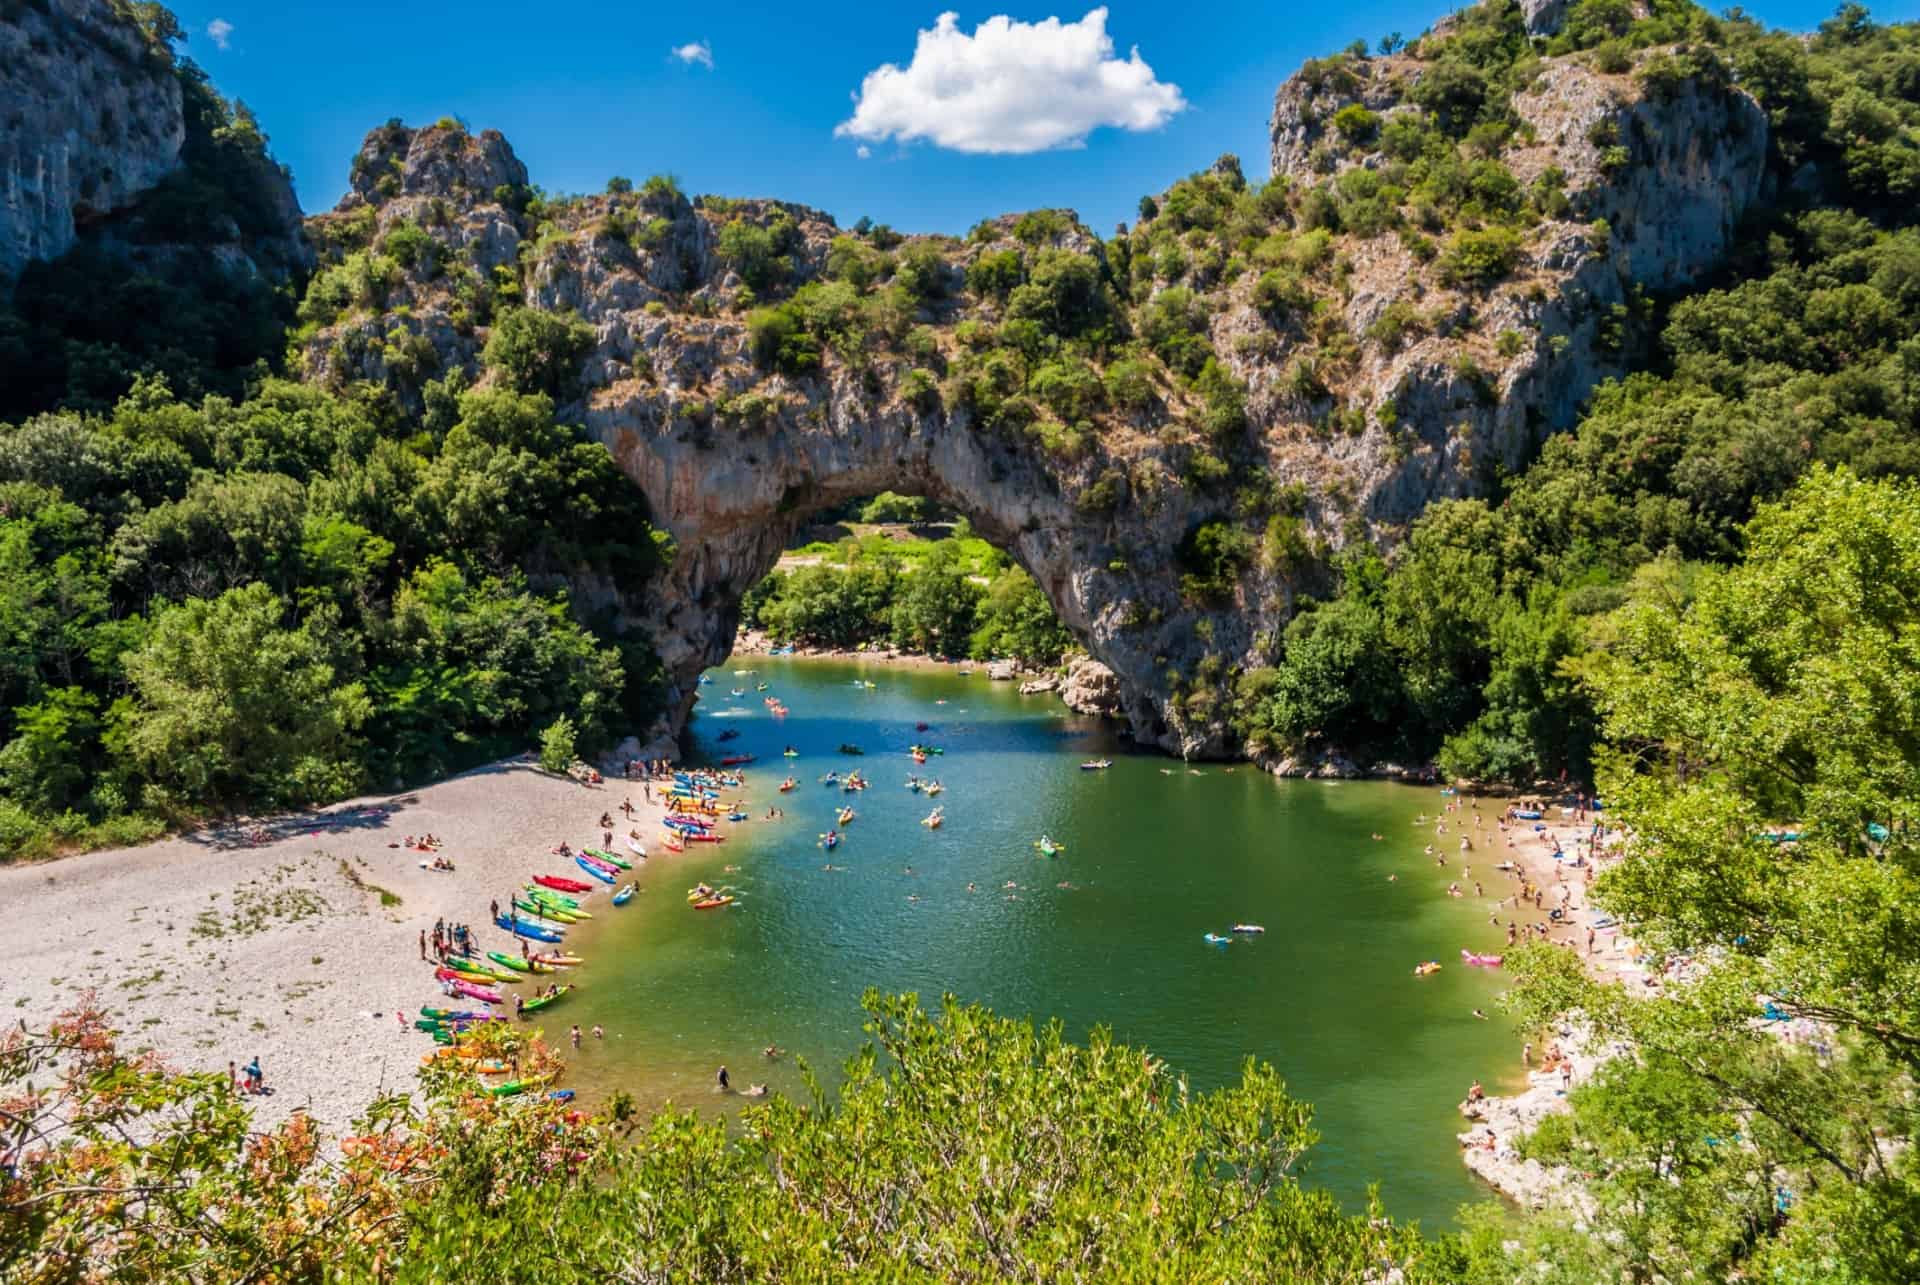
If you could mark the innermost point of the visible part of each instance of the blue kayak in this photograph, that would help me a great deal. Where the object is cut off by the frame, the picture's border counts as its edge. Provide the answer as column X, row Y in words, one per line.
column 521, row 928
column 593, row 870
column 622, row 897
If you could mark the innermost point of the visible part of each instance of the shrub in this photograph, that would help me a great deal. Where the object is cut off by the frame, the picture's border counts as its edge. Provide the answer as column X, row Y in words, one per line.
column 997, row 273
column 1129, row 384
column 779, row 339
column 1281, row 295
column 556, row 745
column 539, row 352
column 1213, row 555
column 1476, row 260
column 1356, row 124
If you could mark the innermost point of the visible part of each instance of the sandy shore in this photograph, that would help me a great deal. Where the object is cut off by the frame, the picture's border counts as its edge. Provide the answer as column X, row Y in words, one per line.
column 300, row 950
column 1539, row 1090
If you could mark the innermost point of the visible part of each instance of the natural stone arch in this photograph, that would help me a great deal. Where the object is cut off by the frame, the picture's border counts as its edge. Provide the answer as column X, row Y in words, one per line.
column 734, row 498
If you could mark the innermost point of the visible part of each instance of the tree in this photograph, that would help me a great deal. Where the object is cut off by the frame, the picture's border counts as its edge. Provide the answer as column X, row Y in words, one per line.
column 556, row 745
column 230, row 706
column 958, row 1146
column 1777, row 704
column 1016, row 620
column 936, row 607
column 538, row 351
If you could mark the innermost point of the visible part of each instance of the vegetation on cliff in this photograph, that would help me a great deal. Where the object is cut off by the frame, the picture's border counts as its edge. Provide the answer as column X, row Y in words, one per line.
column 226, row 590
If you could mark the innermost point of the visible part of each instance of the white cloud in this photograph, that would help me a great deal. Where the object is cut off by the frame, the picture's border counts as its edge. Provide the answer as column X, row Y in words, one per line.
column 863, row 151
column 699, row 51
column 1011, row 87
column 221, row 30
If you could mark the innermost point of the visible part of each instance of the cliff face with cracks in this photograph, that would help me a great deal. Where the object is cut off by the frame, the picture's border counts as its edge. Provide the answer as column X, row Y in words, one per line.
column 93, row 122
column 734, row 456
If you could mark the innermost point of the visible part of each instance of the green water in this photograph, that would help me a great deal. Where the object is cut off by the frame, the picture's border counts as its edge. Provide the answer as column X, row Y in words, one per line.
column 1155, row 856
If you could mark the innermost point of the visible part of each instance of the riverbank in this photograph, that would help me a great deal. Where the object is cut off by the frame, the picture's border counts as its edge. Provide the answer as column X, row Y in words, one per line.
column 296, row 940
column 1563, row 1058
column 754, row 642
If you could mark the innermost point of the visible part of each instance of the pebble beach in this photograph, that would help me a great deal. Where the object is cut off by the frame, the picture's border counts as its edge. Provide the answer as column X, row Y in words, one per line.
column 299, row 946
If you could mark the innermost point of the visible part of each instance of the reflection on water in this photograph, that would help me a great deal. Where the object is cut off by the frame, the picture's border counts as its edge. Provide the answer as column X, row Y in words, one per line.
column 1110, row 932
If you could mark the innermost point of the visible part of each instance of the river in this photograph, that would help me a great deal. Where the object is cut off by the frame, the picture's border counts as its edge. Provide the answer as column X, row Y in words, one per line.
column 1110, row 932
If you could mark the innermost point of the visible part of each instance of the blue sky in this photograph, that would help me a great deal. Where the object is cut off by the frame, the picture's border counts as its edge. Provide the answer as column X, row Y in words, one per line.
column 585, row 90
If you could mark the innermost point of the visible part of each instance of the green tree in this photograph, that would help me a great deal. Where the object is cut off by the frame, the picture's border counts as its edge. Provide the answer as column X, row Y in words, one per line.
column 937, row 604
column 1017, row 621
column 556, row 745
column 1778, row 700
column 539, row 352
column 230, row 706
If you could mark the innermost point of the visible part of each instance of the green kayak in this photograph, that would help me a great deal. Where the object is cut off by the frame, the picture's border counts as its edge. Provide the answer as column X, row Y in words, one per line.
column 538, row 911
column 512, row 1087
column 609, row 857
column 561, row 908
column 541, row 1001
column 518, row 965
column 538, row 893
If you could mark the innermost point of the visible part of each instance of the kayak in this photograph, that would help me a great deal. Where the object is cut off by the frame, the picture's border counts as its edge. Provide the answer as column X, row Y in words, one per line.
column 538, row 911
column 829, row 841
column 1485, row 961
column 541, row 894
column 1248, row 928
column 1049, row 848
column 506, row 960
column 603, row 876
column 622, row 897
column 1429, row 966
column 520, row 928
column 493, row 971
column 446, row 974
column 1215, row 939
column 456, row 1014
column 704, row 837
column 637, row 848
column 472, row 991
column 512, row 1087
column 562, row 885
column 558, row 961
column 541, row 1001
column 713, row 903
column 612, row 859
column 734, row 760
column 560, row 904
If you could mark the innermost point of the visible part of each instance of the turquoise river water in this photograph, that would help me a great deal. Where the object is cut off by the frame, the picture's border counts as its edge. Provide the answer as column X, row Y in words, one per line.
column 1108, row 933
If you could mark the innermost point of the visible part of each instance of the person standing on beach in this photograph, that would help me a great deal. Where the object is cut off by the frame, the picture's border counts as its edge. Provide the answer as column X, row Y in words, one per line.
column 233, row 1078
column 423, row 943
column 1526, row 1055
column 1589, row 941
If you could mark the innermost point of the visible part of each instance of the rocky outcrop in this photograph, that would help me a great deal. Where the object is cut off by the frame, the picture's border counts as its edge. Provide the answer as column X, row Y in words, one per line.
column 95, row 123
column 1091, row 688
column 734, row 458
column 92, row 118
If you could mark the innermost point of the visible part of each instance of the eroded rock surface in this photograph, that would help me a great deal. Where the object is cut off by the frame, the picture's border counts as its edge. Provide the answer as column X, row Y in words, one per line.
column 734, row 457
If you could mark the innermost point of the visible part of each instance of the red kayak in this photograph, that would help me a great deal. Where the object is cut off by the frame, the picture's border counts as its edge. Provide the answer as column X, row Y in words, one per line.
column 734, row 760
column 558, row 884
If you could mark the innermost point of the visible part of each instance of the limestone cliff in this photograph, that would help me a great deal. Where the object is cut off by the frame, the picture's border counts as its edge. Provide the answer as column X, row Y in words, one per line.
column 1376, row 374
column 94, row 122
